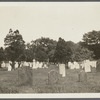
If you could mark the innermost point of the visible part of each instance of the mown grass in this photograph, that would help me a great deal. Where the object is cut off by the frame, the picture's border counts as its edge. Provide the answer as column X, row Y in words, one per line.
column 9, row 82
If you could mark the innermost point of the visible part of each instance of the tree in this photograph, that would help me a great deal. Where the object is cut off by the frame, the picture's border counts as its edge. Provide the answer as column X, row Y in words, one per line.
column 63, row 51
column 2, row 54
column 14, row 44
column 82, row 53
column 42, row 48
column 91, row 40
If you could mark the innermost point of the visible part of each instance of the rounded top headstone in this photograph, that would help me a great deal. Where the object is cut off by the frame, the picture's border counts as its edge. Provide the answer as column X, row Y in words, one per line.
column 33, row 60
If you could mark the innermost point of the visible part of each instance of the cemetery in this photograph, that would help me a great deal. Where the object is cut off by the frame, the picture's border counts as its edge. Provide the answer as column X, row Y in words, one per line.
column 50, row 79
column 48, row 66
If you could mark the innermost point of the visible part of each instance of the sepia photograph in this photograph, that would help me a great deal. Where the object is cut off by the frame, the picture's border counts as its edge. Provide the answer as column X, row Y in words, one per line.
column 49, row 49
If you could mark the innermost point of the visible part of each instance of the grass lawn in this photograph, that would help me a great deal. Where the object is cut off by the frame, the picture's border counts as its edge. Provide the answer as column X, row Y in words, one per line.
column 9, row 82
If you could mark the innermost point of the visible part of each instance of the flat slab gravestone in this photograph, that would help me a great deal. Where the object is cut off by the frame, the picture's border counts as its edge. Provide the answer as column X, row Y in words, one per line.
column 87, row 66
column 9, row 67
column 76, row 65
column 62, row 70
column 25, row 76
column 3, row 64
column 40, row 65
column 82, row 76
column 30, row 64
column 53, row 77
column 16, row 65
column 34, row 64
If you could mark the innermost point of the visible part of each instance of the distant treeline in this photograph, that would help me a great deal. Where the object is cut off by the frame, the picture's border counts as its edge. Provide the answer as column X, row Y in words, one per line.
column 49, row 50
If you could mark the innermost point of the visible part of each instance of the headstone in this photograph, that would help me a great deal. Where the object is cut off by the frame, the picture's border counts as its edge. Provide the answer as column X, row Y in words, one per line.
column 25, row 76
column 93, row 63
column 3, row 64
column 16, row 65
column 82, row 76
column 76, row 65
column 9, row 67
column 62, row 70
column 30, row 64
column 37, row 64
column 25, row 64
column 40, row 65
column 53, row 77
column 45, row 65
column 34, row 64
column 87, row 66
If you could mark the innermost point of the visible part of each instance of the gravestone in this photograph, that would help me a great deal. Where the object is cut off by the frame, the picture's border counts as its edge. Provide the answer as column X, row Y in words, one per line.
column 40, row 65
column 31, row 64
column 3, row 64
column 9, row 67
column 62, row 70
column 82, row 76
column 53, row 77
column 34, row 64
column 93, row 63
column 25, row 76
column 25, row 63
column 76, row 65
column 16, row 65
column 87, row 66
column 37, row 64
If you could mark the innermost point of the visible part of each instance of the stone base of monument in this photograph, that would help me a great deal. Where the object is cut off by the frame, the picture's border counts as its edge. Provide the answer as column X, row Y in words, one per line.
column 82, row 77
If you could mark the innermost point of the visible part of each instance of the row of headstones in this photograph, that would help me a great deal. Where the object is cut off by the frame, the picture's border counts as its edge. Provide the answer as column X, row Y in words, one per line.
column 86, row 65
column 33, row 65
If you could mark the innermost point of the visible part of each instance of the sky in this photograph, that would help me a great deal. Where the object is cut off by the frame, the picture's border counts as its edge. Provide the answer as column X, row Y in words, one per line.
column 69, row 20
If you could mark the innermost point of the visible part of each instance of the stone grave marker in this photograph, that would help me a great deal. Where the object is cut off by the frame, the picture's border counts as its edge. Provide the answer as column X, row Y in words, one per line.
column 16, row 65
column 53, row 77
column 76, row 65
column 87, row 66
column 82, row 76
column 62, row 70
column 9, row 67
column 3, row 64
column 25, row 76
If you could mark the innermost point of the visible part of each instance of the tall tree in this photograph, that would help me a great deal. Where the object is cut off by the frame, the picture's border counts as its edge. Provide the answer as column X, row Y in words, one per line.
column 14, row 44
column 91, row 40
column 63, row 51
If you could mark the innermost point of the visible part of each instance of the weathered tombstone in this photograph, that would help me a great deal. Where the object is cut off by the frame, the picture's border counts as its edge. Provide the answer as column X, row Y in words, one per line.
column 9, row 67
column 76, row 65
column 16, row 65
column 98, row 66
column 34, row 64
column 87, row 66
column 37, row 64
column 3, row 64
column 25, row 63
column 62, row 70
column 30, row 64
column 69, row 65
column 45, row 65
column 53, row 77
column 25, row 76
column 40, row 65
column 82, row 76
column 93, row 63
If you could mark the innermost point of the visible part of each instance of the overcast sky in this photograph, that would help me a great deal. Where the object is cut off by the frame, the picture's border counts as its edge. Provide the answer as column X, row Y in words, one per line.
column 69, row 20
